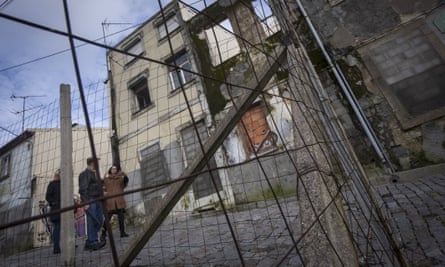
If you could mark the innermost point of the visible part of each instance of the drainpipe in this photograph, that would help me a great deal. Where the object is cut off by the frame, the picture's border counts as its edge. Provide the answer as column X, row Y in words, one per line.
column 114, row 139
column 349, row 94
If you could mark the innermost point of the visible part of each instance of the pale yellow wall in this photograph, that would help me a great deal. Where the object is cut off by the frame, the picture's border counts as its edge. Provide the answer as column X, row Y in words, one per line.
column 164, row 133
column 152, row 124
column 46, row 160
column 158, row 80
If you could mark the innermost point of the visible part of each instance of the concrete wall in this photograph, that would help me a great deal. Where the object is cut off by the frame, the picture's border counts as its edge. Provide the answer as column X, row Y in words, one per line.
column 249, row 182
column 17, row 203
column 46, row 160
column 393, row 57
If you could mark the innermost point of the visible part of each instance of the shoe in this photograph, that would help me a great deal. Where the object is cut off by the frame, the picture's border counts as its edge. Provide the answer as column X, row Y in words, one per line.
column 95, row 246
column 99, row 245
column 56, row 251
column 88, row 247
column 103, row 237
column 124, row 234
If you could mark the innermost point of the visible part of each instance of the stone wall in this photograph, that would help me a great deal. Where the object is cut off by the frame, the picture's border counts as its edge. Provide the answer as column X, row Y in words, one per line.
column 18, row 238
column 249, row 182
column 394, row 59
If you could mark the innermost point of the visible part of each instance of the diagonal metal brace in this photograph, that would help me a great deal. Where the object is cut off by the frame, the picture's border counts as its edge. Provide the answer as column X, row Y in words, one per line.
column 265, row 71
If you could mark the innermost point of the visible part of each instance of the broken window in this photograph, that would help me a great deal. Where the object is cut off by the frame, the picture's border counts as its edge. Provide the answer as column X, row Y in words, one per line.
column 257, row 136
column 141, row 93
column 5, row 166
column 135, row 47
column 179, row 75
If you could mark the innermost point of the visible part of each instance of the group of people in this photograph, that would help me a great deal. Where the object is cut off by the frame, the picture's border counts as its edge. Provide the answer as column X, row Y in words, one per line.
column 91, row 188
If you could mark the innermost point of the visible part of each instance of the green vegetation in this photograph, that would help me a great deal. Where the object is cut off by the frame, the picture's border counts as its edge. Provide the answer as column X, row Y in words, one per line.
column 419, row 159
column 218, row 74
column 268, row 194
column 275, row 38
column 282, row 75
column 185, row 201
column 215, row 99
column 353, row 74
column 355, row 79
column 317, row 58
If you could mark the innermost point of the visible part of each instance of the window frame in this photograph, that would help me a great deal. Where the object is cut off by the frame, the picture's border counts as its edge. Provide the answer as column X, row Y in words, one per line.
column 136, row 40
column 185, row 77
column 153, row 149
column 256, row 109
column 160, row 25
column 8, row 168
column 134, row 86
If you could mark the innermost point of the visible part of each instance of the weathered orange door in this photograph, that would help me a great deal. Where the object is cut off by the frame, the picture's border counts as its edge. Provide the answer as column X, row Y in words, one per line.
column 258, row 131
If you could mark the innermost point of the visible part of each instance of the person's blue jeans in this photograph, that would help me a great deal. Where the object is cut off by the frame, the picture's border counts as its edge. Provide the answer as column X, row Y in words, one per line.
column 94, row 222
column 56, row 234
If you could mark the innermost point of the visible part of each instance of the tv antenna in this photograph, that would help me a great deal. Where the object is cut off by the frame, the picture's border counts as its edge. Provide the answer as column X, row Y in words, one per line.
column 24, row 97
column 106, row 24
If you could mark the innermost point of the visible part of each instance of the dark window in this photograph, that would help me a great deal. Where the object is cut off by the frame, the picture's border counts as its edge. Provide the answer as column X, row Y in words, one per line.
column 5, row 166
column 141, row 94
column 179, row 75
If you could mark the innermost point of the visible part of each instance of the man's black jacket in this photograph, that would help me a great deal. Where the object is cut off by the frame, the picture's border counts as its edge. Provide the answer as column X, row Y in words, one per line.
column 89, row 186
column 53, row 198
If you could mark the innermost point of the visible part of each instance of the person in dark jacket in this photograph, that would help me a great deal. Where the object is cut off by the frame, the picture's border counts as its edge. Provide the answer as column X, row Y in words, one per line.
column 53, row 198
column 91, row 188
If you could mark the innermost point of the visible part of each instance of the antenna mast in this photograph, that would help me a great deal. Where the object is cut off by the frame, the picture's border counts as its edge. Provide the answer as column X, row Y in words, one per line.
column 24, row 106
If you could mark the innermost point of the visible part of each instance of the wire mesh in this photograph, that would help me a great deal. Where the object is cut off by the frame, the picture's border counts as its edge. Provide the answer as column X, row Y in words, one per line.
column 280, row 187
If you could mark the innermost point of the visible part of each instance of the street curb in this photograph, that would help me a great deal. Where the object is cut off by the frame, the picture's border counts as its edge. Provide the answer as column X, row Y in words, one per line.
column 410, row 175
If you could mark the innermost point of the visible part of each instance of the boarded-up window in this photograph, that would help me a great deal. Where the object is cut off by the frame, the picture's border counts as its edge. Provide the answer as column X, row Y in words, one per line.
column 202, row 186
column 153, row 166
column 258, row 137
column 411, row 76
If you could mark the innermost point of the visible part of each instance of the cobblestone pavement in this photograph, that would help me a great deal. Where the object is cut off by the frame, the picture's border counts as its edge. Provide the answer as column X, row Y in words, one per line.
column 198, row 240
column 416, row 212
